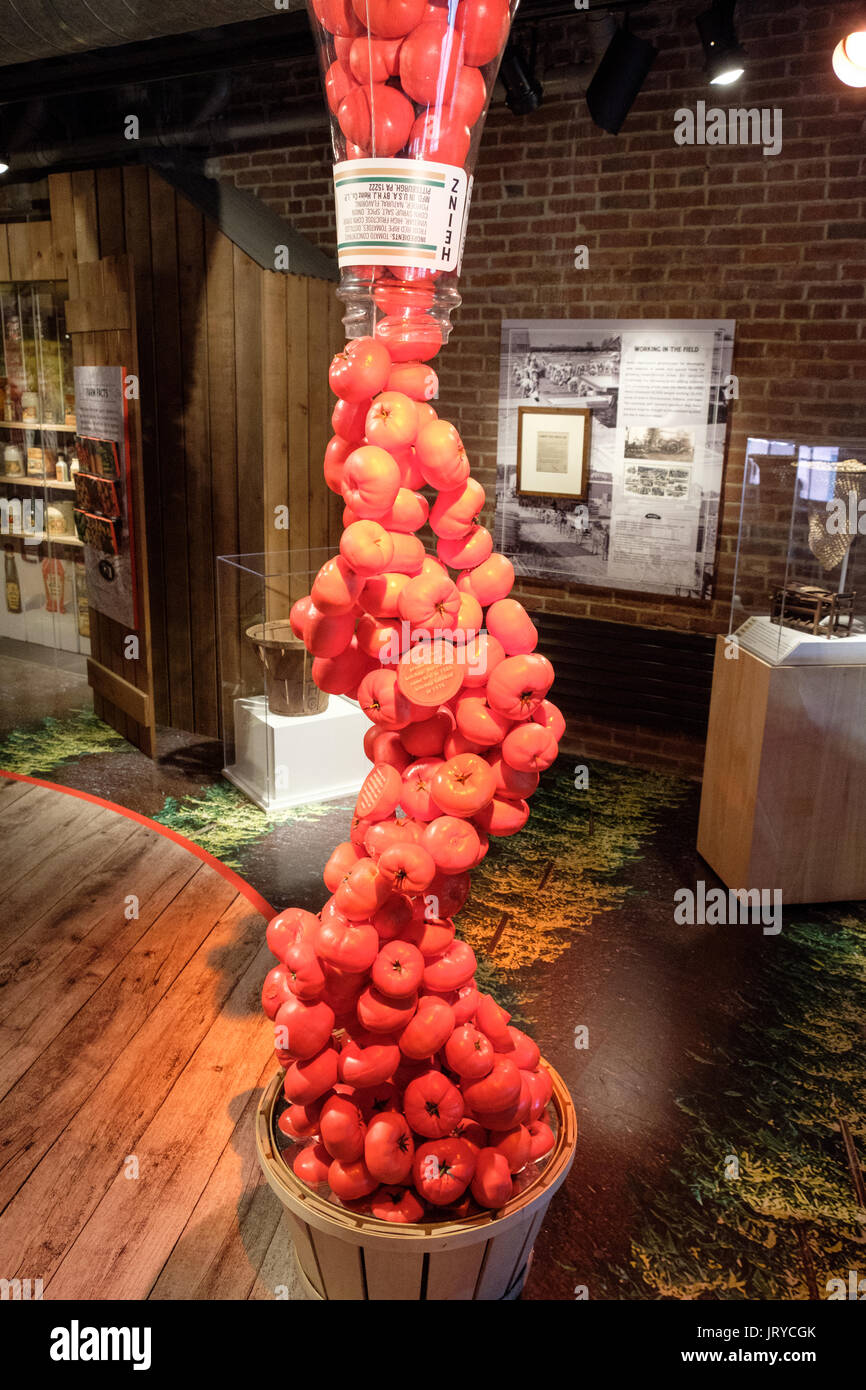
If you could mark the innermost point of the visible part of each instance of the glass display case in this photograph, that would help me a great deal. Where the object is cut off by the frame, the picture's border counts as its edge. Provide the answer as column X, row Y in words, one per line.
column 45, row 592
column 285, row 741
column 799, row 594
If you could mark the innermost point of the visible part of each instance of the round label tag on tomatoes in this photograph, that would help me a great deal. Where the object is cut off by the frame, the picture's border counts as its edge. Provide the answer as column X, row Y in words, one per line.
column 430, row 674
column 380, row 793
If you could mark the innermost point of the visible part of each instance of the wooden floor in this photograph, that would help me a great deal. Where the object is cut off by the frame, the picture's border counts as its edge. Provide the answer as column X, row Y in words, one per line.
column 132, row 1054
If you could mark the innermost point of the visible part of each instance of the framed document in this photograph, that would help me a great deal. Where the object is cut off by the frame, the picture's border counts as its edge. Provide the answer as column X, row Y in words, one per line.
column 553, row 451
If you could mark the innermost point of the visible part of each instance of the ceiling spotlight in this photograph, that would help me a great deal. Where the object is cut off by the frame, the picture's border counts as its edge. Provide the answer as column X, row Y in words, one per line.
column 849, row 59
column 523, row 91
column 4, row 167
column 726, row 60
column 618, row 79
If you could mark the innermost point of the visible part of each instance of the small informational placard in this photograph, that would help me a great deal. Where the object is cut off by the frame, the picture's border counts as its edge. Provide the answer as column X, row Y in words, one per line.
column 400, row 212
column 656, row 394
column 103, row 441
column 785, row 646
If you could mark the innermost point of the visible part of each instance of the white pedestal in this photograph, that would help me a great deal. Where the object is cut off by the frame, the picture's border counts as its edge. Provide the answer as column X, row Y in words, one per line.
column 282, row 762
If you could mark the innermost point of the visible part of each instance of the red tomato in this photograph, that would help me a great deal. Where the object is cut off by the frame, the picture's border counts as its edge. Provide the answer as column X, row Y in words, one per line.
column 479, row 723
column 470, row 620
column 362, row 891
column 306, row 1080
column 378, row 638
column 389, row 19
column 502, row 817
column 386, row 833
column 442, row 1170
column 439, row 136
column 466, row 1003
column 541, row 1089
column 430, row 601
column 336, row 588
column 509, row 621
column 300, row 1121
column 452, row 969
column 337, row 17
column 298, row 615
column 480, row 656
column 382, row 701
column 408, row 553
column 337, row 452
column 349, row 1181
column 492, row 1093
column 342, row 1129
column 379, row 119
column 380, row 794
column 484, row 25
column 511, row 784
column 328, row 637
column 521, row 1049
column 432, row 1105
column 429, row 1029
column 276, row 990
column 474, row 548
column 389, row 1148
column 472, row 1132
column 306, row 977
column 375, row 1100
column 302, row 1028
column 373, row 60
column 351, row 947
column 431, row 936
column 440, row 454
column 455, row 510
column 393, row 917
column 541, row 1139
column 493, row 1020
column 491, row 1181
column 408, row 868
column 341, row 675
column 384, row 746
column 518, row 685
column 491, row 580
column 288, row 927
column 380, row 595
column 414, row 379
column 425, row 739
column 348, row 421
column 529, row 747
column 514, row 1144
column 341, row 989
column 430, row 62
column 360, row 371
column 379, row 1014
column 311, row 1164
column 409, row 512
column 463, row 785
column 551, row 718
column 397, row 970
column 453, row 843
column 469, row 1053
column 468, row 96
column 446, row 895
column 338, row 84
column 367, row 1060
column 519, row 1112
column 398, row 1204
column 371, row 481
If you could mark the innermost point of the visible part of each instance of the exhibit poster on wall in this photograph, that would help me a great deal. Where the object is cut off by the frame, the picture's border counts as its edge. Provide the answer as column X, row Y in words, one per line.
column 645, row 513
column 102, row 492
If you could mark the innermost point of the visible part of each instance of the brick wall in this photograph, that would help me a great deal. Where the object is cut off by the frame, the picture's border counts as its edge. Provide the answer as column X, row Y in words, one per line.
column 776, row 243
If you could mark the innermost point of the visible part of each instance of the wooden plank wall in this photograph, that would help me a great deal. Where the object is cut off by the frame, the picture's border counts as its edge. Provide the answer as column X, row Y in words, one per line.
column 235, row 414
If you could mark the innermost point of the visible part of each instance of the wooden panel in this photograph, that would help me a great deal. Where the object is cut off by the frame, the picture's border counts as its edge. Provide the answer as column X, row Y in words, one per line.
column 341, row 1266
column 63, row 228
column 454, row 1273
column 109, row 202
column 99, row 315
column 120, row 692
column 732, row 764
column 192, row 272
column 5, row 267
column 275, row 440
column 503, row 1258
column 223, row 448
column 392, row 1275
column 31, row 251
column 86, row 216
column 297, row 309
column 302, row 1240
column 250, row 430
column 320, row 292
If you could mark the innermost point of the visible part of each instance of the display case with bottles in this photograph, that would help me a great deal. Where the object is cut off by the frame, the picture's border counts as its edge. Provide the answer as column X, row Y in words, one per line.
column 800, row 581
column 45, row 593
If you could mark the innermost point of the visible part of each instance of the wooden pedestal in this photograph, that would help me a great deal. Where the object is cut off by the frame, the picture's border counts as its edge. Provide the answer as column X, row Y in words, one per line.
column 784, row 794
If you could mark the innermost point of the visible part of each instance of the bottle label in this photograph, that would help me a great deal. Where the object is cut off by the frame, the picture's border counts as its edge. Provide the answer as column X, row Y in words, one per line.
column 400, row 212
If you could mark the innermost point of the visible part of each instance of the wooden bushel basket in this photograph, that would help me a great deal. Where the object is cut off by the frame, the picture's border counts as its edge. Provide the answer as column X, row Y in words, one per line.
column 344, row 1256
column 289, row 667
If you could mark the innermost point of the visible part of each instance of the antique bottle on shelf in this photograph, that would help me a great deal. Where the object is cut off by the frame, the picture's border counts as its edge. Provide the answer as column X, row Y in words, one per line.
column 81, row 601
column 13, row 583
column 13, row 461
column 30, row 406
column 54, row 579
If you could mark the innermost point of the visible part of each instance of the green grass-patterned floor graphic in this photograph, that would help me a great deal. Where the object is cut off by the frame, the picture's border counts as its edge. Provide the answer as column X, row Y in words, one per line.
column 35, row 751
column 225, row 823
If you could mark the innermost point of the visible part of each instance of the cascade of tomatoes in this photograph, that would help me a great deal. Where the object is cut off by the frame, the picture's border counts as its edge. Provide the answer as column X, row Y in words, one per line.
column 408, row 1088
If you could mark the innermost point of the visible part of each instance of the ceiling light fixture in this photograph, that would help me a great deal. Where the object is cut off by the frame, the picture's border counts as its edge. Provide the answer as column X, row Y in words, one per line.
column 726, row 60
column 849, row 59
column 618, row 79
column 523, row 91
column 4, row 167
